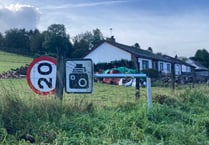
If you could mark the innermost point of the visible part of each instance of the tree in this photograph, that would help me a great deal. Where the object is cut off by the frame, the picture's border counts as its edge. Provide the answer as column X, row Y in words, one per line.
column 97, row 37
column 150, row 49
column 202, row 56
column 136, row 45
column 1, row 40
column 86, row 41
column 81, row 44
column 80, row 48
column 56, row 39
column 36, row 40
column 17, row 39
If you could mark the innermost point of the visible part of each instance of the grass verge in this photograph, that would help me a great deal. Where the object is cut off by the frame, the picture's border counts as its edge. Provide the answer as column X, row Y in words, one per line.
column 110, row 115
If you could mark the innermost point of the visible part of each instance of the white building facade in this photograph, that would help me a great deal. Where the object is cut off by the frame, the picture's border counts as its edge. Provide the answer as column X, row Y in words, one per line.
column 109, row 51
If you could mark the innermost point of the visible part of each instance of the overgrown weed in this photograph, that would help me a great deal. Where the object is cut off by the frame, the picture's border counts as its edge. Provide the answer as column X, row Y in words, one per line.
column 174, row 119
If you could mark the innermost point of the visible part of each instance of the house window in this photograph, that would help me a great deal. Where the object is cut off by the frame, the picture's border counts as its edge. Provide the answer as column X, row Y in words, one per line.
column 161, row 67
column 188, row 69
column 168, row 67
column 154, row 65
column 145, row 64
column 178, row 69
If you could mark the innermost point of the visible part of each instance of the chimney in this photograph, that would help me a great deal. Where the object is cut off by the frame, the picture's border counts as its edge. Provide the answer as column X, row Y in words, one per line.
column 111, row 39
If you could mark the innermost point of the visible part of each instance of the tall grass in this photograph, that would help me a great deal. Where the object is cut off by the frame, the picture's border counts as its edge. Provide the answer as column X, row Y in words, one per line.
column 111, row 115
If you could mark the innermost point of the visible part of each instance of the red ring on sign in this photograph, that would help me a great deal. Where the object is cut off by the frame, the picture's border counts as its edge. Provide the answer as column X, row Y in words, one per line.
column 36, row 60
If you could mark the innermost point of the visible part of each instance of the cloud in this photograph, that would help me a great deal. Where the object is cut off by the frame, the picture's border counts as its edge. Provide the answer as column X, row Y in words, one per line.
column 82, row 5
column 170, row 34
column 18, row 16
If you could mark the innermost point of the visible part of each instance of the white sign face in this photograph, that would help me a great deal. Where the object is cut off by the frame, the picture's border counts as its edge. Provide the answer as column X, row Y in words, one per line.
column 41, row 75
column 79, row 76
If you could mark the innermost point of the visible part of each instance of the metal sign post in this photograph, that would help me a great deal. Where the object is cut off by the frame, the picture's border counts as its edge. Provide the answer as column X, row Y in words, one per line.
column 149, row 92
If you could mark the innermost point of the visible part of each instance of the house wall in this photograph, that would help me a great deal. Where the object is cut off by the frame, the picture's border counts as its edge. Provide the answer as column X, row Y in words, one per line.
column 107, row 53
column 202, row 73
column 202, row 76
column 164, row 67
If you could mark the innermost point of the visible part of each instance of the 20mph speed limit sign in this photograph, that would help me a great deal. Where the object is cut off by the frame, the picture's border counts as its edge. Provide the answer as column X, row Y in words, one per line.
column 41, row 75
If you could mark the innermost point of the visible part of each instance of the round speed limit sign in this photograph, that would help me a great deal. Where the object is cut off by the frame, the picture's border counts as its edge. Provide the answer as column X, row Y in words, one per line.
column 41, row 75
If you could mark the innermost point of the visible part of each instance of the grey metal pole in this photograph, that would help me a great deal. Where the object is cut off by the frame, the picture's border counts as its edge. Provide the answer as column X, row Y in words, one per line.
column 149, row 92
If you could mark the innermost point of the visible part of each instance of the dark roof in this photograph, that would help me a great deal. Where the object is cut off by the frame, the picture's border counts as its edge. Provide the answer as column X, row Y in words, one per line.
column 198, row 66
column 176, row 60
column 133, row 50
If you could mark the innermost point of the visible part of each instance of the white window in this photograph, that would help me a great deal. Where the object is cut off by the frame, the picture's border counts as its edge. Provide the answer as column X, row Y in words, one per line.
column 161, row 67
column 145, row 64
column 168, row 67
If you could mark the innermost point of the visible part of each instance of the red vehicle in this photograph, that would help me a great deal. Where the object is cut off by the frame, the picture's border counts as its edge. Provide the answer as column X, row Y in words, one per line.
column 114, row 81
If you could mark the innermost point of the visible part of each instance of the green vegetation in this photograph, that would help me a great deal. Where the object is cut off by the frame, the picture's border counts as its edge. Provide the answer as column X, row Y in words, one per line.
column 12, row 61
column 36, row 43
column 110, row 115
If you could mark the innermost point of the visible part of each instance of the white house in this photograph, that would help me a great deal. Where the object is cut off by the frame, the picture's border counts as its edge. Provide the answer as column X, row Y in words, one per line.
column 106, row 52
column 109, row 50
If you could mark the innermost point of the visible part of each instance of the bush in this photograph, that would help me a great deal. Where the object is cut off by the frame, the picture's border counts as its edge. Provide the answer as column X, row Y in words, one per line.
column 113, row 64
column 152, row 73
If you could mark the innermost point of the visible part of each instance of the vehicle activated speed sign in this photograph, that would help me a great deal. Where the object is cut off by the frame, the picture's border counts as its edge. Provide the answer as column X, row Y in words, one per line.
column 41, row 75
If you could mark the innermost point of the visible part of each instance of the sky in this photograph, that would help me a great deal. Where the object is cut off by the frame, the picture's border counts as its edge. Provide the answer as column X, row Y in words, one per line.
column 172, row 27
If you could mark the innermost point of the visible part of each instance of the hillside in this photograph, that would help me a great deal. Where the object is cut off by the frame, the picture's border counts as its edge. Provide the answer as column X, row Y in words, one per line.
column 10, row 61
